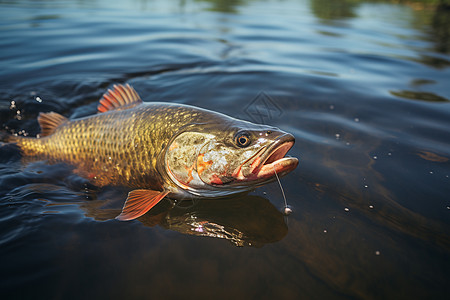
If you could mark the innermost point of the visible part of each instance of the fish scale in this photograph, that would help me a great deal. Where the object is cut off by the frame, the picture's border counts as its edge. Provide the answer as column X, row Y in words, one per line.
column 112, row 148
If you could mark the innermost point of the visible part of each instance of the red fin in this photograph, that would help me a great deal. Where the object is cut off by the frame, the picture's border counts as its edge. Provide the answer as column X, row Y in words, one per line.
column 121, row 97
column 139, row 202
column 49, row 122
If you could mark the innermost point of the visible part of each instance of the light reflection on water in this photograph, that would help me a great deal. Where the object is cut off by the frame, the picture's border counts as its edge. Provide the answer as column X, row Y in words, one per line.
column 362, row 85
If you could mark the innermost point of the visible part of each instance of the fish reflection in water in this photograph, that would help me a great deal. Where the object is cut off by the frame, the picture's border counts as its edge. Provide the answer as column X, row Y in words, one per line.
column 243, row 220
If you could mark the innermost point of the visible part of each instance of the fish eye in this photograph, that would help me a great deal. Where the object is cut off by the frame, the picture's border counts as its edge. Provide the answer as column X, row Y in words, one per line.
column 242, row 139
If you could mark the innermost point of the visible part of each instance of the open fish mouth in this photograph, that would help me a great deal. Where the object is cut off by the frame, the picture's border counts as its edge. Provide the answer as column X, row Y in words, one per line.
column 276, row 162
column 270, row 160
column 274, row 159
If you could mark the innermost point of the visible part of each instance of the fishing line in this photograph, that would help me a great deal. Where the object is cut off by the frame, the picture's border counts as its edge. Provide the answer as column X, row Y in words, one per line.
column 287, row 209
column 179, row 203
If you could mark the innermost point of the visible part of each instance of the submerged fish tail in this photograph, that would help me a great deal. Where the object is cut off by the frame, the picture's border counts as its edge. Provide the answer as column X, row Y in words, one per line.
column 5, row 137
column 29, row 146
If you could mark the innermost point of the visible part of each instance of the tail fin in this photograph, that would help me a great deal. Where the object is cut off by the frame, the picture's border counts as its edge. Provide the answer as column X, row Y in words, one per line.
column 7, row 138
column 4, row 137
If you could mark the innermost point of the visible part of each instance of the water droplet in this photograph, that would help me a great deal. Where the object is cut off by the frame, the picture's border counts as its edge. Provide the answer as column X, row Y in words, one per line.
column 370, row 206
column 13, row 104
column 356, row 119
column 325, row 231
column 346, row 209
column 264, row 193
column 18, row 115
column 377, row 252
column 389, row 153
column 337, row 136
column 38, row 99
column 431, row 172
column 366, row 186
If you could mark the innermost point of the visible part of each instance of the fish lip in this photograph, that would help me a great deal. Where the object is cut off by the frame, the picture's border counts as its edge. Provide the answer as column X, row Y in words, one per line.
column 276, row 152
column 269, row 160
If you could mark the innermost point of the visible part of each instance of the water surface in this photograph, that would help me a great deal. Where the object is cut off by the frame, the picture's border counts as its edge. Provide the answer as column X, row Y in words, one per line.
column 362, row 85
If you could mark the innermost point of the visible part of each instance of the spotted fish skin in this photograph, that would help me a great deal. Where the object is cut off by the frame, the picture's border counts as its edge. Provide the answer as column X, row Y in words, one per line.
column 119, row 147
column 161, row 149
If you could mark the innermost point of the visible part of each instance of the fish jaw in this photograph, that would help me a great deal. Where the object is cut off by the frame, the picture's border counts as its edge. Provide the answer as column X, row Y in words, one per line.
column 267, row 162
column 281, row 166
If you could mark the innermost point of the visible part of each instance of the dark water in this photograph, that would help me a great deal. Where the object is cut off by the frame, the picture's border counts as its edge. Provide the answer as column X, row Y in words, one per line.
column 363, row 85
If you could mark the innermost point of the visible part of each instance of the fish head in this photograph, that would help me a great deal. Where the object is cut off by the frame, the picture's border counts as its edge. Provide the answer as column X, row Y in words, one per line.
column 208, row 160
column 248, row 155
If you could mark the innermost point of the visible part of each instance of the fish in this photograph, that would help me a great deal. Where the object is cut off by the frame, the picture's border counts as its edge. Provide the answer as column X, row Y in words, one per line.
column 160, row 149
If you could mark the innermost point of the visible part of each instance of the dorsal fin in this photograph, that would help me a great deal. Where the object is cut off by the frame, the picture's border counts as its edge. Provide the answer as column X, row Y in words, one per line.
column 49, row 122
column 120, row 97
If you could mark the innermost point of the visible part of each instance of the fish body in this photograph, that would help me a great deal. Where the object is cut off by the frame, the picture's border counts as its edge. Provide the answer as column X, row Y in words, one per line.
column 162, row 149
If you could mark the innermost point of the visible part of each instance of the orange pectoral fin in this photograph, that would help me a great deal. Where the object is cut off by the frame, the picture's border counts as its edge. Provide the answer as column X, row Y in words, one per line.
column 139, row 202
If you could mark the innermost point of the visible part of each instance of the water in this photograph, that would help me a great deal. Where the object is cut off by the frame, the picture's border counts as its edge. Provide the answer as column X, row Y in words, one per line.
column 363, row 86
